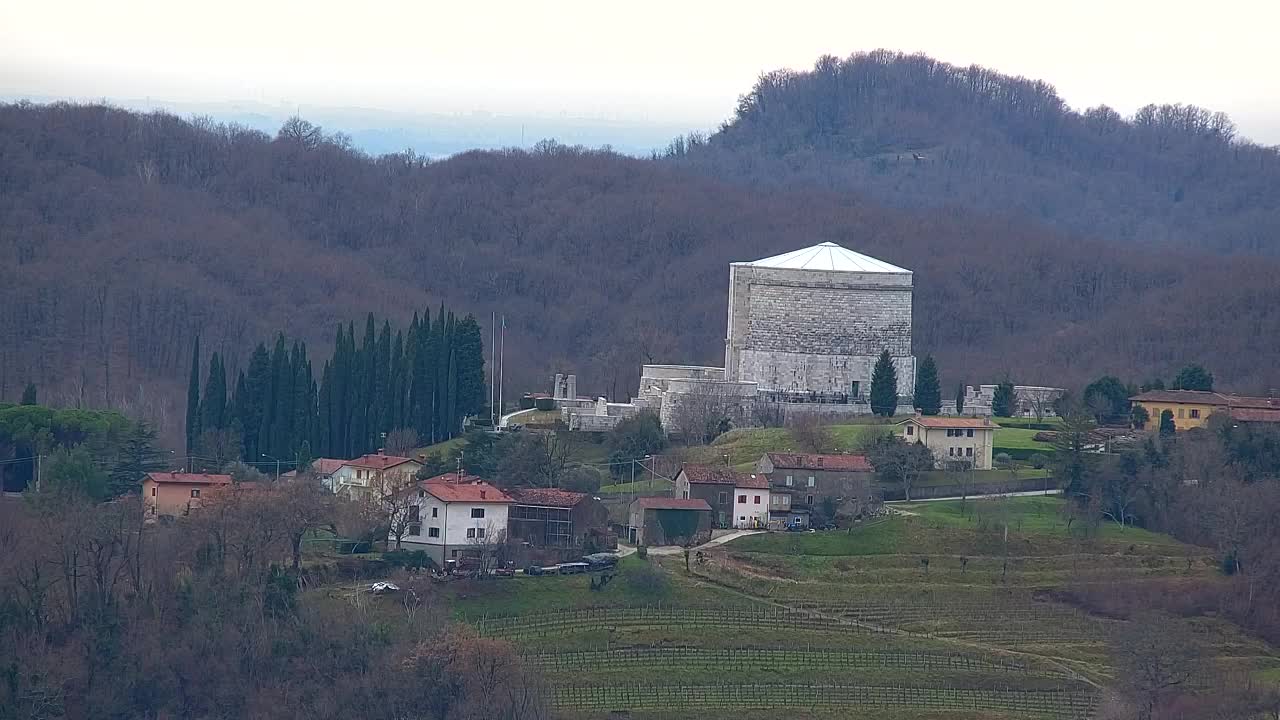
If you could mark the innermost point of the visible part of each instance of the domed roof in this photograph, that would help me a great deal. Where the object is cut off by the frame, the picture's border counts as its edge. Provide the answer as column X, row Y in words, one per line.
column 827, row 256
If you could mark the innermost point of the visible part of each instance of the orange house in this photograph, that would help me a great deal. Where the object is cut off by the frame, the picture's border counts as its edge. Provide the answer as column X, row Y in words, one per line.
column 171, row 493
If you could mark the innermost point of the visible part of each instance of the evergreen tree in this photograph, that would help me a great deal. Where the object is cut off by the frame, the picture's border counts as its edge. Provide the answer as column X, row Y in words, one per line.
column 399, row 384
column 253, row 410
column 29, row 394
column 928, row 394
column 304, row 400
column 469, row 347
column 884, row 386
column 441, row 348
column 422, row 387
column 382, row 405
column 1193, row 377
column 324, row 413
column 960, row 399
column 137, row 457
column 213, row 406
column 193, row 399
column 238, row 409
column 1167, row 426
column 278, row 408
column 1003, row 399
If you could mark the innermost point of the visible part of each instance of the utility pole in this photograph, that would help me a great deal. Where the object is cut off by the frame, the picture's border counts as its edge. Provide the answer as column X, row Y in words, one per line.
column 38, row 458
column 493, row 368
column 502, row 356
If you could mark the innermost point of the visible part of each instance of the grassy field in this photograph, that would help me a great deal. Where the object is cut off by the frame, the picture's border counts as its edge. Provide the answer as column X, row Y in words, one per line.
column 655, row 486
column 744, row 447
column 1020, row 439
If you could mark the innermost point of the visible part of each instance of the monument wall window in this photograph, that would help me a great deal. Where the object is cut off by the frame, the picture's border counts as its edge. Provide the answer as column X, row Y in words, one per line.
column 969, row 433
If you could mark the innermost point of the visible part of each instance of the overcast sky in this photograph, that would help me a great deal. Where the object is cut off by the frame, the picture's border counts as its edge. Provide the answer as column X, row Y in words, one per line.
column 654, row 60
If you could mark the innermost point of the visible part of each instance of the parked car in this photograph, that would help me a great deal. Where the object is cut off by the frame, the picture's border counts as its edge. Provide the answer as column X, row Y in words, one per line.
column 504, row 572
column 601, row 561
column 573, row 568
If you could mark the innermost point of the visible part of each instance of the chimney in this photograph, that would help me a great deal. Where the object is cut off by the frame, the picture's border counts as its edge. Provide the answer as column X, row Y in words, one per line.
column 481, row 494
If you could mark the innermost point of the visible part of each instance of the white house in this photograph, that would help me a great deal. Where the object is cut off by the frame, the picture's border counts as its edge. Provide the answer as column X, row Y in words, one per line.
column 451, row 514
column 372, row 473
column 751, row 502
column 953, row 439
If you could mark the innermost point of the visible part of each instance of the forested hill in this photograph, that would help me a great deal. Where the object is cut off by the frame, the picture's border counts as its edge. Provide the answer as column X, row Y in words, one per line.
column 1169, row 175
column 123, row 235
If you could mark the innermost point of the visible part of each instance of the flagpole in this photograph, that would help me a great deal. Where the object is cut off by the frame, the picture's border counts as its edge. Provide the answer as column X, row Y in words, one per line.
column 502, row 357
column 493, row 367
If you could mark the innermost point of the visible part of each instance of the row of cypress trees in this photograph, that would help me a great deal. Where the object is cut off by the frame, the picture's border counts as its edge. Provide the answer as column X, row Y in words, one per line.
column 884, row 387
column 427, row 378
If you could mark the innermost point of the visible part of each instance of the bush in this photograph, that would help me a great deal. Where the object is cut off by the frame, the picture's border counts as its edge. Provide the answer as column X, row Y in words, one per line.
column 408, row 559
column 642, row 552
column 582, row 479
column 1039, row 461
column 1003, row 460
column 648, row 580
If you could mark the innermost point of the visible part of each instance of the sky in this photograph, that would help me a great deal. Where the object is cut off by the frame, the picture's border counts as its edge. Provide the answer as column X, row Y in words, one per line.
column 657, row 61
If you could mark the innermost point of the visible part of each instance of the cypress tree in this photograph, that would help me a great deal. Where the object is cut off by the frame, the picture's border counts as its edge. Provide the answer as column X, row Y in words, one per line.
column 29, row 394
column 382, row 406
column 304, row 400
column 213, row 406
column 423, row 380
column 324, row 413
column 884, row 386
column 469, row 348
column 237, row 411
column 253, row 411
column 272, row 436
column 960, row 399
column 368, row 381
column 399, row 383
column 928, row 394
column 339, row 419
column 193, row 398
column 452, row 421
column 442, row 348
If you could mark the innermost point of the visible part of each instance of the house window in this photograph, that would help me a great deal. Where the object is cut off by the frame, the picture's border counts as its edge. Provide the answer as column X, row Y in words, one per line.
column 471, row 533
column 415, row 530
column 477, row 512
column 413, row 513
column 951, row 452
column 435, row 512
column 153, row 492
column 968, row 452
column 433, row 532
column 1195, row 413
column 911, row 429
column 810, row 481
column 723, row 498
column 479, row 532
column 686, row 494
column 788, row 481
column 969, row 432
column 1181, row 413
column 742, row 499
column 195, row 492
column 808, row 499
column 757, row 501
column 422, row 493
column 742, row 518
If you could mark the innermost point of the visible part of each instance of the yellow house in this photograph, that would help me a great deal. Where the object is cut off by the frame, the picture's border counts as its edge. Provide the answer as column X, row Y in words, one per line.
column 1190, row 408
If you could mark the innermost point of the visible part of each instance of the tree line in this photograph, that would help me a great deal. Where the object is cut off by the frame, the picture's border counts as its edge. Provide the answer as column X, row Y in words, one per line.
column 577, row 247
column 416, row 385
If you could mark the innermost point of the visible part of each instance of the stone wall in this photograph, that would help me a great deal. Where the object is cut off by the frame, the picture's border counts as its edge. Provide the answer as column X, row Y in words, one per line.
column 810, row 330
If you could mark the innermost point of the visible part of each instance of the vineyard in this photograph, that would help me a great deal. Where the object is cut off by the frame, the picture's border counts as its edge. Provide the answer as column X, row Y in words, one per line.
column 765, row 627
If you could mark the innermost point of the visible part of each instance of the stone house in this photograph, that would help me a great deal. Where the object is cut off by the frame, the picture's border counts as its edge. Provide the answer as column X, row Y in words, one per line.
column 1192, row 408
column 669, row 521
column 551, row 517
column 736, row 499
column 953, row 439
column 809, row 482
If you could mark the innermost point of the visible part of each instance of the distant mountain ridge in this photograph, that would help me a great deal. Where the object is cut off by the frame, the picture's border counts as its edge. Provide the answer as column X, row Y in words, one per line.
column 914, row 131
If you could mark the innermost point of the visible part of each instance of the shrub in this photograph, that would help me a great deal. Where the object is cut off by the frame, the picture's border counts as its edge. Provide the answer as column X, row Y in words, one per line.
column 1003, row 460
column 409, row 559
column 1039, row 461
column 642, row 552
column 648, row 580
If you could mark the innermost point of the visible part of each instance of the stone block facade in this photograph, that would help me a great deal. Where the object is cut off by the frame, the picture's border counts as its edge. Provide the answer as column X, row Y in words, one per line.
column 807, row 330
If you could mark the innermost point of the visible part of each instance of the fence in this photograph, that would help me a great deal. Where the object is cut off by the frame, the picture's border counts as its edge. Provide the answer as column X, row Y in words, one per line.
column 1062, row 703
column 773, row 658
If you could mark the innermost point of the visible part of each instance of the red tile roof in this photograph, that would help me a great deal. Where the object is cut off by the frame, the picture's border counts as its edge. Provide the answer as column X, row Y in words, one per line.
column 473, row 492
column 1201, row 397
column 938, row 421
column 808, row 461
column 454, row 478
column 720, row 475
column 547, row 497
column 1241, row 414
column 376, row 461
column 189, row 478
column 665, row 503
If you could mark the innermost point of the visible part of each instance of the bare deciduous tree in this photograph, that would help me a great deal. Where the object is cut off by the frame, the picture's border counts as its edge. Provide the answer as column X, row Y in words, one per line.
column 811, row 433
column 1154, row 654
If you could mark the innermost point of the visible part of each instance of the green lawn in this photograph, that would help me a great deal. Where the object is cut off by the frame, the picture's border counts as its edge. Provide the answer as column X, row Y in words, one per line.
column 744, row 447
column 1020, row 439
column 1024, row 422
column 1034, row 515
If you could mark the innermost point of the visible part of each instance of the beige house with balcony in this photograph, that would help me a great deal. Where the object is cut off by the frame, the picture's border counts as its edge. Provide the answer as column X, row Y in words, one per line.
column 952, row 439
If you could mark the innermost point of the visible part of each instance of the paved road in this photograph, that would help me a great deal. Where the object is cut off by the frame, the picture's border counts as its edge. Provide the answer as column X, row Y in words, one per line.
column 1028, row 493
column 625, row 550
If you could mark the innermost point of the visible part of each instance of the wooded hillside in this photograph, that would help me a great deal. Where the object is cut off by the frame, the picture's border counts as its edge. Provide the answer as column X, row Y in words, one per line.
column 914, row 131
column 122, row 235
